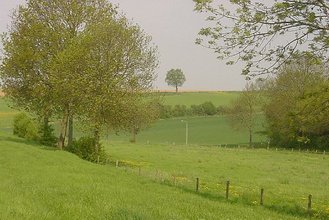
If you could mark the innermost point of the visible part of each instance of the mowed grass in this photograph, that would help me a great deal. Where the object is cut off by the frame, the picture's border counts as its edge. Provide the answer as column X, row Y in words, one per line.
column 41, row 183
column 195, row 98
column 287, row 177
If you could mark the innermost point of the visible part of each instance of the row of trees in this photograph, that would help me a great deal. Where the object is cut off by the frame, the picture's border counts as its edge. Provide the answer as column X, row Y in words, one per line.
column 78, row 60
column 204, row 109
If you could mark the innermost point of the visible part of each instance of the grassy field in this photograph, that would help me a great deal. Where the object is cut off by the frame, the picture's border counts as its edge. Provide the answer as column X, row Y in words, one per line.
column 41, row 183
column 201, row 131
column 287, row 177
column 196, row 98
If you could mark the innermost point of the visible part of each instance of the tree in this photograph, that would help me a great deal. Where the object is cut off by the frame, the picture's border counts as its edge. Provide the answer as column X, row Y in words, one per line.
column 264, row 35
column 142, row 114
column 283, row 110
column 39, row 31
column 243, row 111
column 175, row 77
column 77, row 58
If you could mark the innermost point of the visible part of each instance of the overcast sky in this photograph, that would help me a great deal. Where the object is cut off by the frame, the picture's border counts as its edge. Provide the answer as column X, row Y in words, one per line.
column 173, row 26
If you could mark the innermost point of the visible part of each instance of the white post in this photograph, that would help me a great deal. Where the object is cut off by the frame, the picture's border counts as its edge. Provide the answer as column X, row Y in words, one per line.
column 186, row 141
column 186, row 131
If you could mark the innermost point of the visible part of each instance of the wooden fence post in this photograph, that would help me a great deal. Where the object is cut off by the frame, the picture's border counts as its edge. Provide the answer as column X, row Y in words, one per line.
column 227, row 188
column 117, row 164
column 197, row 185
column 262, row 196
column 309, row 204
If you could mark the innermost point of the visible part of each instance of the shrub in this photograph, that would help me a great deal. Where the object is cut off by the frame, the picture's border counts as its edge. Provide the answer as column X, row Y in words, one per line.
column 25, row 127
column 209, row 108
column 86, row 149
column 47, row 136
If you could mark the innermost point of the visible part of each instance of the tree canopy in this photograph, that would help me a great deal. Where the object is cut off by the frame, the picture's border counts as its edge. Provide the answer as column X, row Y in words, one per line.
column 264, row 35
column 175, row 77
column 76, row 58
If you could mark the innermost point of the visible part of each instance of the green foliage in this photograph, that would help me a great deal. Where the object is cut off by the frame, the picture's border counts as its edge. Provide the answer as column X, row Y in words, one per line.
column 246, row 29
column 243, row 111
column 76, row 58
column 175, row 77
column 89, row 149
column 292, row 111
column 25, row 127
column 209, row 108
column 204, row 109
column 47, row 136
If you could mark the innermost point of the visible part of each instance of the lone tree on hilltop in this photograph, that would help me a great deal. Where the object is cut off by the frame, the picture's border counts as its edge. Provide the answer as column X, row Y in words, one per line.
column 175, row 77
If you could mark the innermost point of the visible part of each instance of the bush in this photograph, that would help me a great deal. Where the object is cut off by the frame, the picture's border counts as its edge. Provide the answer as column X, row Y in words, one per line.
column 85, row 148
column 209, row 108
column 47, row 136
column 25, row 127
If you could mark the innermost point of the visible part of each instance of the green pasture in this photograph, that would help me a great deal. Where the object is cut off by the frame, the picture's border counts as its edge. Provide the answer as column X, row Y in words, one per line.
column 196, row 98
column 156, row 177
column 201, row 131
column 287, row 177
column 42, row 183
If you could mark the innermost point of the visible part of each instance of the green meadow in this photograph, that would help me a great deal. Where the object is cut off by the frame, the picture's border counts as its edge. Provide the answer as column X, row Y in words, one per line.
column 156, row 176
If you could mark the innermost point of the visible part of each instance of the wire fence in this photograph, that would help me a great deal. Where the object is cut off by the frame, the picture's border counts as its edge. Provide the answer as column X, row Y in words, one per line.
column 276, row 199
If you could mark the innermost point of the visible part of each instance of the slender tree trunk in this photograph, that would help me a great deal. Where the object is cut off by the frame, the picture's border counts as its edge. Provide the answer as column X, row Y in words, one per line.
column 250, row 138
column 176, row 88
column 45, row 123
column 97, row 139
column 70, row 132
column 62, row 135
column 133, row 135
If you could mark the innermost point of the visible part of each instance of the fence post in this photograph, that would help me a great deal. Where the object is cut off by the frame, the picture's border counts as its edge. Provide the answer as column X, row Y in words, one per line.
column 227, row 188
column 309, row 205
column 117, row 164
column 98, row 159
column 262, row 196
column 324, row 152
column 197, row 185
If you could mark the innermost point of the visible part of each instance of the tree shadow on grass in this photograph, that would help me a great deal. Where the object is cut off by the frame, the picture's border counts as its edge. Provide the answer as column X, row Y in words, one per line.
column 26, row 142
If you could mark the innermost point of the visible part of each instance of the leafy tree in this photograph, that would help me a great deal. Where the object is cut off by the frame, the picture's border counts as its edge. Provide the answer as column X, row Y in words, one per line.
column 242, row 113
column 264, row 35
column 142, row 114
column 76, row 58
column 175, row 77
column 284, row 92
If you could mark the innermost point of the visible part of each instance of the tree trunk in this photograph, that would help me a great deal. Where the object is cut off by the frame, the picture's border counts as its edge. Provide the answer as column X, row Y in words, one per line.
column 97, row 139
column 70, row 132
column 176, row 88
column 133, row 135
column 62, row 135
column 250, row 138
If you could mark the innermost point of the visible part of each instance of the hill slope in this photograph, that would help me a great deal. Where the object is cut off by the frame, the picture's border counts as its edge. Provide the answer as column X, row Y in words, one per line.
column 40, row 183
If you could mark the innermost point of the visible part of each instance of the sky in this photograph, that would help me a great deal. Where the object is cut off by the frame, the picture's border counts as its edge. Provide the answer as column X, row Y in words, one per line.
column 174, row 26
